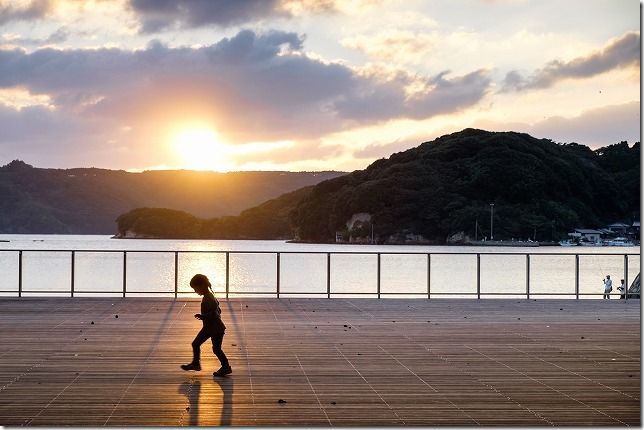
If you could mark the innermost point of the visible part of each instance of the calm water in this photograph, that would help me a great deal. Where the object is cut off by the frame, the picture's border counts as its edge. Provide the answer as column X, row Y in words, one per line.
column 253, row 267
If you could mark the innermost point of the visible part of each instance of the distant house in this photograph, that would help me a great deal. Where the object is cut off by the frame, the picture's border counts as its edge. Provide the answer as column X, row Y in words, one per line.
column 588, row 234
column 618, row 228
column 635, row 228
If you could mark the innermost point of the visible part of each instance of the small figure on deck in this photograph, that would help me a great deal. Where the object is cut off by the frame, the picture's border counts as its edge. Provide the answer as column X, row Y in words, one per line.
column 622, row 289
column 608, row 287
column 213, row 327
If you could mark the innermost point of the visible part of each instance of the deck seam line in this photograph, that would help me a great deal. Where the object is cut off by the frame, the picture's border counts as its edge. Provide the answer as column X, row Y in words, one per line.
column 371, row 386
column 407, row 337
column 447, row 361
column 547, row 386
column 300, row 364
column 38, row 364
column 145, row 362
column 250, row 373
column 496, row 390
column 595, row 362
column 574, row 373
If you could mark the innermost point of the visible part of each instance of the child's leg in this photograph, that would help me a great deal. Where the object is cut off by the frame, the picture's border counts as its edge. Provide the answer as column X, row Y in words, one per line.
column 217, row 340
column 201, row 337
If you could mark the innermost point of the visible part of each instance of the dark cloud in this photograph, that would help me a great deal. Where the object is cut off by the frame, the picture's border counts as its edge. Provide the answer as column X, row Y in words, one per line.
column 619, row 53
column 159, row 15
column 251, row 86
column 33, row 10
column 59, row 36
column 450, row 95
column 156, row 15
column 381, row 101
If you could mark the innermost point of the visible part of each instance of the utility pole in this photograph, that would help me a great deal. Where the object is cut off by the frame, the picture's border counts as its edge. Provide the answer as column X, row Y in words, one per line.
column 491, row 221
column 476, row 230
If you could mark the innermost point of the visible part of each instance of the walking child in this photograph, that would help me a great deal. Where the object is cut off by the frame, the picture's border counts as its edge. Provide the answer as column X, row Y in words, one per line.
column 213, row 327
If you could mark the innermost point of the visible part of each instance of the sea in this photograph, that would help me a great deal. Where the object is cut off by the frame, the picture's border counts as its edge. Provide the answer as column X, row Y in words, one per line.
column 99, row 265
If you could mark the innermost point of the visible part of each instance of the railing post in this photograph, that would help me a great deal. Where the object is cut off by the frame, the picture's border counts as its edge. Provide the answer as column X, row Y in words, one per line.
column 73, row 270
column 124, row 272
column 378, row 275
column 328, row 275
column 227, row 273
column 625, row 277
column 176, row 274
column 20, row 274
column 429, row 271
column 478, row 276
column 278, row 275
column 577, row 276
column 527, row 276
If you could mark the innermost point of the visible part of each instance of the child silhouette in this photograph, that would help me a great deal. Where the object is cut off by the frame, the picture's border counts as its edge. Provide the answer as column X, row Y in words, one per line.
column 213, row 327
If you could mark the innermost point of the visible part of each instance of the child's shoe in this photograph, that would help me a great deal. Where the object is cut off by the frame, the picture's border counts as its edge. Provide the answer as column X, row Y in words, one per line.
column 223, row 371
column 191, row 366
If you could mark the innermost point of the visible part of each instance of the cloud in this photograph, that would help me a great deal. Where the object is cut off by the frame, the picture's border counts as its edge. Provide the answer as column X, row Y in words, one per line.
column 249, row 87
column 393, row 45
column 33, row 10
column 375, row 101
column 595, row 127
column 45, row 137
column 618, row 53
column 157, row 15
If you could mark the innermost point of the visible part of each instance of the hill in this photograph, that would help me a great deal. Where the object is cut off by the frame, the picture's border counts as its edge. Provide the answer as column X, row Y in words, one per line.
column 444, row 187
column 89, row 200
column 270, row 220
column 440, row 190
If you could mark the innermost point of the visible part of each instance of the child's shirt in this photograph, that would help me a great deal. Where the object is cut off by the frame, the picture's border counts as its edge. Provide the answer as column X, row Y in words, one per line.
column 212, row 314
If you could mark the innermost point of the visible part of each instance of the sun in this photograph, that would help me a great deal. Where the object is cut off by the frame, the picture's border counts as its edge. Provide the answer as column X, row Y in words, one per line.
column 200, row 149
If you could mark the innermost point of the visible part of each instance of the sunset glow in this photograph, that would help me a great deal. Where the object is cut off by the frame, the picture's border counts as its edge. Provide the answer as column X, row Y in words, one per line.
column 201, row 149
column 306, row 85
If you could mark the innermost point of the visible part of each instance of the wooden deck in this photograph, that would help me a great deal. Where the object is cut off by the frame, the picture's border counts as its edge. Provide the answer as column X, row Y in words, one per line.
column 115, row 361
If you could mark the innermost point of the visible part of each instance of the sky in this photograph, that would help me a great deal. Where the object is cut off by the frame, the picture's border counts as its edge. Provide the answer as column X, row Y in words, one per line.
column 306, row 85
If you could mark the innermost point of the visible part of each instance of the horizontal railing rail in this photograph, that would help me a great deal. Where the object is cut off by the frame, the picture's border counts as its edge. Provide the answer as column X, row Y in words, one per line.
column 124, row 291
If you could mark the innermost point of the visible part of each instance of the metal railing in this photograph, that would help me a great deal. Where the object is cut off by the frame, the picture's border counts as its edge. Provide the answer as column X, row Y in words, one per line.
column 21, row 290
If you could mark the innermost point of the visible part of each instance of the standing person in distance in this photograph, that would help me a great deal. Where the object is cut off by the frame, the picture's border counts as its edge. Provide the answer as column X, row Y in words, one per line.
column 213, row 327
column 622, row 289
column 608, row 287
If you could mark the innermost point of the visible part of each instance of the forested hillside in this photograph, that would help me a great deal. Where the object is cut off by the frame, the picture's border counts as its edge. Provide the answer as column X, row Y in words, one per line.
column 270, row 220
column 443, row 187
column 88, row 200
column 540, row 189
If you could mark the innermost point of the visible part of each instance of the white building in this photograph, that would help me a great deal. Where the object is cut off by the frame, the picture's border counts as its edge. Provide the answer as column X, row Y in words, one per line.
column 586, row 234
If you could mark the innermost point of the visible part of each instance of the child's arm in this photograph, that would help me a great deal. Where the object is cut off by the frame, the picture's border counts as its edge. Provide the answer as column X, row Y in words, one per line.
column 210, row 311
